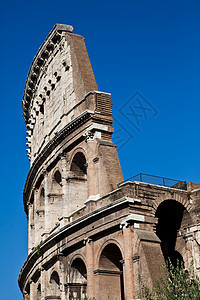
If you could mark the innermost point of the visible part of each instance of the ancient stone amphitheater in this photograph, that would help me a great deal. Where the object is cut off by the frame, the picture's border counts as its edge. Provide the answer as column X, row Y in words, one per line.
column 90, row 234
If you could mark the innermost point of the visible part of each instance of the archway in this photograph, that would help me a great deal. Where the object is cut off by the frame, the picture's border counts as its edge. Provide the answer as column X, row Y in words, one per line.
column 77, row 287
column 171, row 217
column 78, row 165
column 110, row 273
column 54, row 286
column 56, row 183
column 77, row 182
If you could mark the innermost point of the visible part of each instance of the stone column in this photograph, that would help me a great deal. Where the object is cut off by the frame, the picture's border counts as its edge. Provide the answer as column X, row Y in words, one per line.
column 90, row 268
column 128, row 263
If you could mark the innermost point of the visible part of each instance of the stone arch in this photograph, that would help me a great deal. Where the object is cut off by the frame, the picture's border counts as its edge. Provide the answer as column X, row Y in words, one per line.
column 78, row 163
column 109, row 274
column 77, row 180
column 55, row 197
column 77, row 285
column 75, row 151
column 172, row 217
column 78, row 256
column 54, row 285
column 56, row 187
column 110, row 241
column 172, row 195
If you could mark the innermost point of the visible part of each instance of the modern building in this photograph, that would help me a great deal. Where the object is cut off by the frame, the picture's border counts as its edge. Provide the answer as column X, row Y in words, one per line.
column 90, row 234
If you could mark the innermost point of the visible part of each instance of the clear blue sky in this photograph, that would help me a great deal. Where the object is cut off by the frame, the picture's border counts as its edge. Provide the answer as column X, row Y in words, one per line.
column 150, row 47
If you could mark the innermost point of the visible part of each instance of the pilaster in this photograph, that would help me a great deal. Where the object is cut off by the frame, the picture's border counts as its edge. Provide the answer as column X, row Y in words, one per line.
column 62, row 274
column 46, row 201
column 128, row 263
column 90, row 267
column 65, row 175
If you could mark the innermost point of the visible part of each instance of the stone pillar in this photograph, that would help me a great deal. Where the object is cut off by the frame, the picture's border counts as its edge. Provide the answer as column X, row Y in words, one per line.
column 90, row 269
column 43, row 286
column 46, row 202
column 128, row 263
column 30, row 226
column 32, row 290
column 91, row 174
column 65, row 161
column 36, row 218
column 26, row 296
column 62, row 276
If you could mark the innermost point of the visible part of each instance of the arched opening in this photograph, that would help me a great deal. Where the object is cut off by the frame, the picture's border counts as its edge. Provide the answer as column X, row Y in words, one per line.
column 57, row 183
column 78, row 280
column 171, row 215
column 42, row 195
column 77, row 181
column 54, row 285
column 58, row 177
column 79, row 166
column 110, row 273
column 55, row 199
column 40, row 214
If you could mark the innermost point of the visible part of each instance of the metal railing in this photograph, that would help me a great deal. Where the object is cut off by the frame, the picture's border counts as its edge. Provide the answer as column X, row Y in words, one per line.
column 157, row 180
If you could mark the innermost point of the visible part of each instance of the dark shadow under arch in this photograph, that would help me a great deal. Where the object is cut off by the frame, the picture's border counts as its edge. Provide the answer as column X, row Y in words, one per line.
column 54, row 284
column 171, row 217
column 110, row 273
column 77, row 286
column 79, row 165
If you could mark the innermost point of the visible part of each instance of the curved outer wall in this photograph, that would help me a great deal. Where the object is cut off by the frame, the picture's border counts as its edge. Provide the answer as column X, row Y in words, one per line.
column 87, row 233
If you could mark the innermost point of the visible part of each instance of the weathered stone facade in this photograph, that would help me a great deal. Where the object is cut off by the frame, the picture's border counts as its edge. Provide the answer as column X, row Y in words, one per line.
column 89, row 234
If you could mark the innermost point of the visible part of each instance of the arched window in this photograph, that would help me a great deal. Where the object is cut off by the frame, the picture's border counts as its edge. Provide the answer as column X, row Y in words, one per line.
column 42, row 108
column 42, row 195
column 79, row 166
column 78, row 280
column 77, row 182
column 58, row 177
column 57, row 183
column 54, row 284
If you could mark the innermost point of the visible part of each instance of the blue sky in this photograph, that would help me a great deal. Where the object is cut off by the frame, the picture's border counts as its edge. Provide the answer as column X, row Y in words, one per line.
column 143, row 51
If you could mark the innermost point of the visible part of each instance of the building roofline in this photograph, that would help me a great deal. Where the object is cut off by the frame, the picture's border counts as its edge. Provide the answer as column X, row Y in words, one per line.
column 43, row 52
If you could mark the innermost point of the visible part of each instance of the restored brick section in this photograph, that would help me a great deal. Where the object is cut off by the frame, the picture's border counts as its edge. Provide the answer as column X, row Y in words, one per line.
column 192, row 186
column 83, row 76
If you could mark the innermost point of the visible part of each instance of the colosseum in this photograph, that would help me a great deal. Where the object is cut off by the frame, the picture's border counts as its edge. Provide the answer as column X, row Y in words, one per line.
column 91, row 235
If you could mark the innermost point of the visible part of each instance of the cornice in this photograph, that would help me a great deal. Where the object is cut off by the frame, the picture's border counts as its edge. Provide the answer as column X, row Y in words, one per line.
column 53, row 143
column 69, row 229
column 43, row 53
